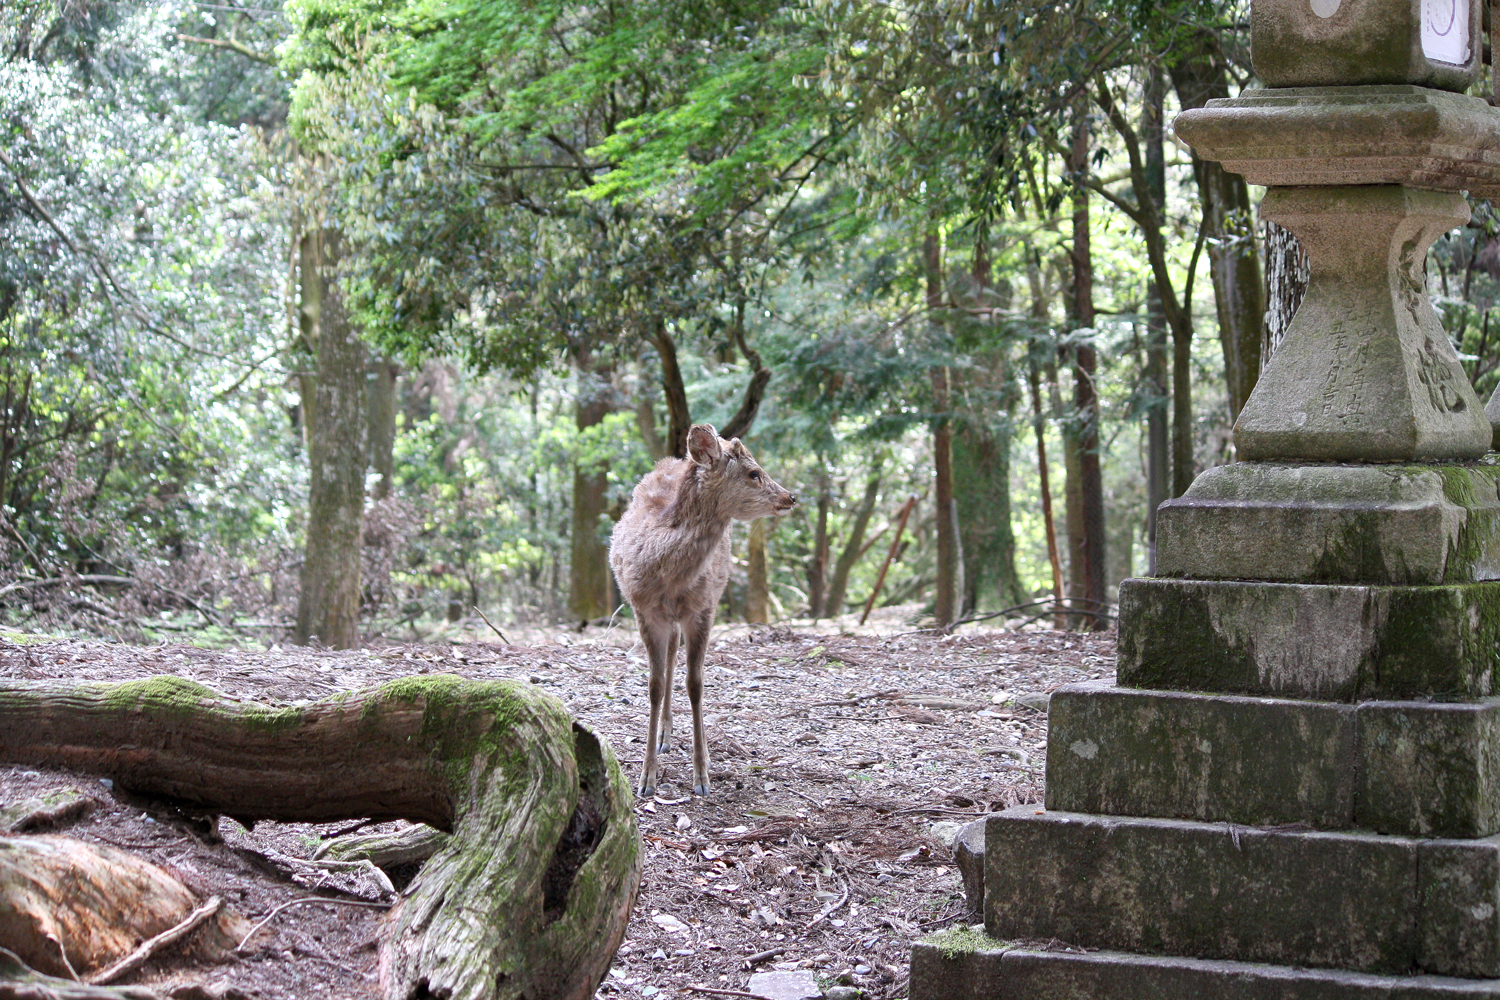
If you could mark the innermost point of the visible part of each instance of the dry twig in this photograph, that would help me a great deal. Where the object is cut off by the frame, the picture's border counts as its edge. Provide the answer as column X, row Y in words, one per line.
column 306, row 901
column 150, row 947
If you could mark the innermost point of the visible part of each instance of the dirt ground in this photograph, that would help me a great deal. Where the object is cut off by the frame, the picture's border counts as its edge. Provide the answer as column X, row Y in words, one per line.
column 840, row 761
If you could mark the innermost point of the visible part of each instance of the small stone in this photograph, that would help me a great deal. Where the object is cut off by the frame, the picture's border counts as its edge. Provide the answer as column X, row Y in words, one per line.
column 861, row 969
column 945, row 831
column 841, row 993
column 1035, row 700
column 968, row 855
column 801, row 985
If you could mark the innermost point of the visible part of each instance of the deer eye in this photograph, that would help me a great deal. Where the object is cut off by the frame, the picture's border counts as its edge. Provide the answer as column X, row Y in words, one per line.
column 754, row 476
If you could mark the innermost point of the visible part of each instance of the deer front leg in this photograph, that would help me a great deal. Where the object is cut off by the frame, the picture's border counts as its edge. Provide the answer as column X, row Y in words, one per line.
column 697, row 647
column 656, row 643
column 665, row 743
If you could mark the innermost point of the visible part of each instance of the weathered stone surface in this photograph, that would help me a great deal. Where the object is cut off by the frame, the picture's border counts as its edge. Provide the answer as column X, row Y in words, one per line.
column 991, row 970
column 1366, row 372
column 957, row 964
column 1492, row 414
column 1323, row 900
column 1352, row 42
column 1459, row 885
column 1294, row 137
column 1417, row 769
column 1203, row 757
column 1354, row 901
column 968, row 855
column 1310, row 640
column 1429, row 769
column 1382, row 524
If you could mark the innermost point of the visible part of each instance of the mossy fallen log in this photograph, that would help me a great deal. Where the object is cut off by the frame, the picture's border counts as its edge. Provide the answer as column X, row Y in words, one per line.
column 529, row 897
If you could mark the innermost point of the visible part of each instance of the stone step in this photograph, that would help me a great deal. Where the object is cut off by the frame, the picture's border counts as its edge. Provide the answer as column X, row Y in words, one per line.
column 1306, row 640
column 1381, row 524
column 1355, row 901
column 1423, row 769
column 967, row 966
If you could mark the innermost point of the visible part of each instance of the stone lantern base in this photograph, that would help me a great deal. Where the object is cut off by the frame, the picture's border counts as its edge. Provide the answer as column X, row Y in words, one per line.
column 1293, row 793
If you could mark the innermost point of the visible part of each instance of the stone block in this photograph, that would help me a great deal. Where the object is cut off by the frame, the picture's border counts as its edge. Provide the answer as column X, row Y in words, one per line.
column 1417, row 769
column 1459, row 888
column 1212, row 758
column 1295, row 136
column 1380, row 524
column 1429, row 769
column 957, row 964
column 1371, row 642
column 1323, row 900
column 1365, row 42
column 1365, row 372
column 1354, row 901
column 989, row 970
column 968, row 855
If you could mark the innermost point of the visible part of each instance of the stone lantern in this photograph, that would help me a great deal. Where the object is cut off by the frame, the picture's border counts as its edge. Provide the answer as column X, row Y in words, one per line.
column 1293, row 791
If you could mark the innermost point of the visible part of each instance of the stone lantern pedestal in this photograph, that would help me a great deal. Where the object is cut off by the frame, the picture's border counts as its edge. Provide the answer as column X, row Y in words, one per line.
column 1294, row 791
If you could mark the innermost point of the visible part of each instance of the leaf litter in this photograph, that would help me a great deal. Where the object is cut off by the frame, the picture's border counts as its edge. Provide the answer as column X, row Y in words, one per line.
column 842, row 763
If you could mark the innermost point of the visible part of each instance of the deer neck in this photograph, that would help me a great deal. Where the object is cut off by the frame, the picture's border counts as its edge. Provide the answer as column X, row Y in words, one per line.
column 697, row 509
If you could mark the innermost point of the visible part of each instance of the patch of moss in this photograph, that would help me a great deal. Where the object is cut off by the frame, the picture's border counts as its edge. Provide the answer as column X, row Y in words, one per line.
column 1356, row 554
column 166, row 694
column 962, row 939
column 169, row 695
column 25, row 638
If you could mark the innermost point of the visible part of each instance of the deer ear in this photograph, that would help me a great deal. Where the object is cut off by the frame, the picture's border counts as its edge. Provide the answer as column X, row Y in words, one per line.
column 703, row 445
column 738, row 449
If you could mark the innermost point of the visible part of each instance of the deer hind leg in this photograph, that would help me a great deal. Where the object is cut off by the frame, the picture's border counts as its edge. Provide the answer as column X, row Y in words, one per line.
column 697, row 647
column 665, row 743
column 657, row 643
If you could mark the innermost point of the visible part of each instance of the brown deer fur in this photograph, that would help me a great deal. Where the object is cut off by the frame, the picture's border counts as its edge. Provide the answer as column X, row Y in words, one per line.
column 670, row 554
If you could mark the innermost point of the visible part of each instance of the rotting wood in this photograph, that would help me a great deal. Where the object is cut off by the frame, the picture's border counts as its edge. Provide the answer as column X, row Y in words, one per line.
column 69, row 907
column 529, row 898
column 412, row 845
column 151, row 946
column 18, row 981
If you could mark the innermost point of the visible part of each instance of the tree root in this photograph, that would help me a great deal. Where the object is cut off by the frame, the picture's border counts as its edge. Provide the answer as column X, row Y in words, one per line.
column 528, row 898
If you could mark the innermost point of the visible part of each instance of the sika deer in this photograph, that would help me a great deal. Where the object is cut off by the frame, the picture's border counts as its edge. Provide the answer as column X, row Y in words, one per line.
column 670, row 554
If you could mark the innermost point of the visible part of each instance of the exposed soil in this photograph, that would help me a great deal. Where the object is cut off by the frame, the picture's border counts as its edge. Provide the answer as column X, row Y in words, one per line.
column 836, row 759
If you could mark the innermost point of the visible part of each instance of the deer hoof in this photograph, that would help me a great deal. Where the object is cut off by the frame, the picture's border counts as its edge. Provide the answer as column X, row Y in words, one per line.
column 665, row 746
column 645, row 791
column 701, row 789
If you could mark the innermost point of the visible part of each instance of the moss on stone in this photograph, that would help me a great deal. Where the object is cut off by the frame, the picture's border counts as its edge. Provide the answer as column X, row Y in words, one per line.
column 962, row 939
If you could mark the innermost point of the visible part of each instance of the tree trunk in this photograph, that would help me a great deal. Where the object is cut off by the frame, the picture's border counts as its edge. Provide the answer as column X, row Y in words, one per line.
column 1147, row 213
column 645, row 422
column 1288, row 270
column 1039, row 313
column 382, row 432
column 838, row 583
column 981, row 472
column 673, row 389
column 949, row 555
column 1089, row 577
column 817, row 567
column 758, row 590
column 529, row 898
column 1155, row 375
column 760, row 376
column 1229, row 227
column 328, row 602
column 588, row 576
